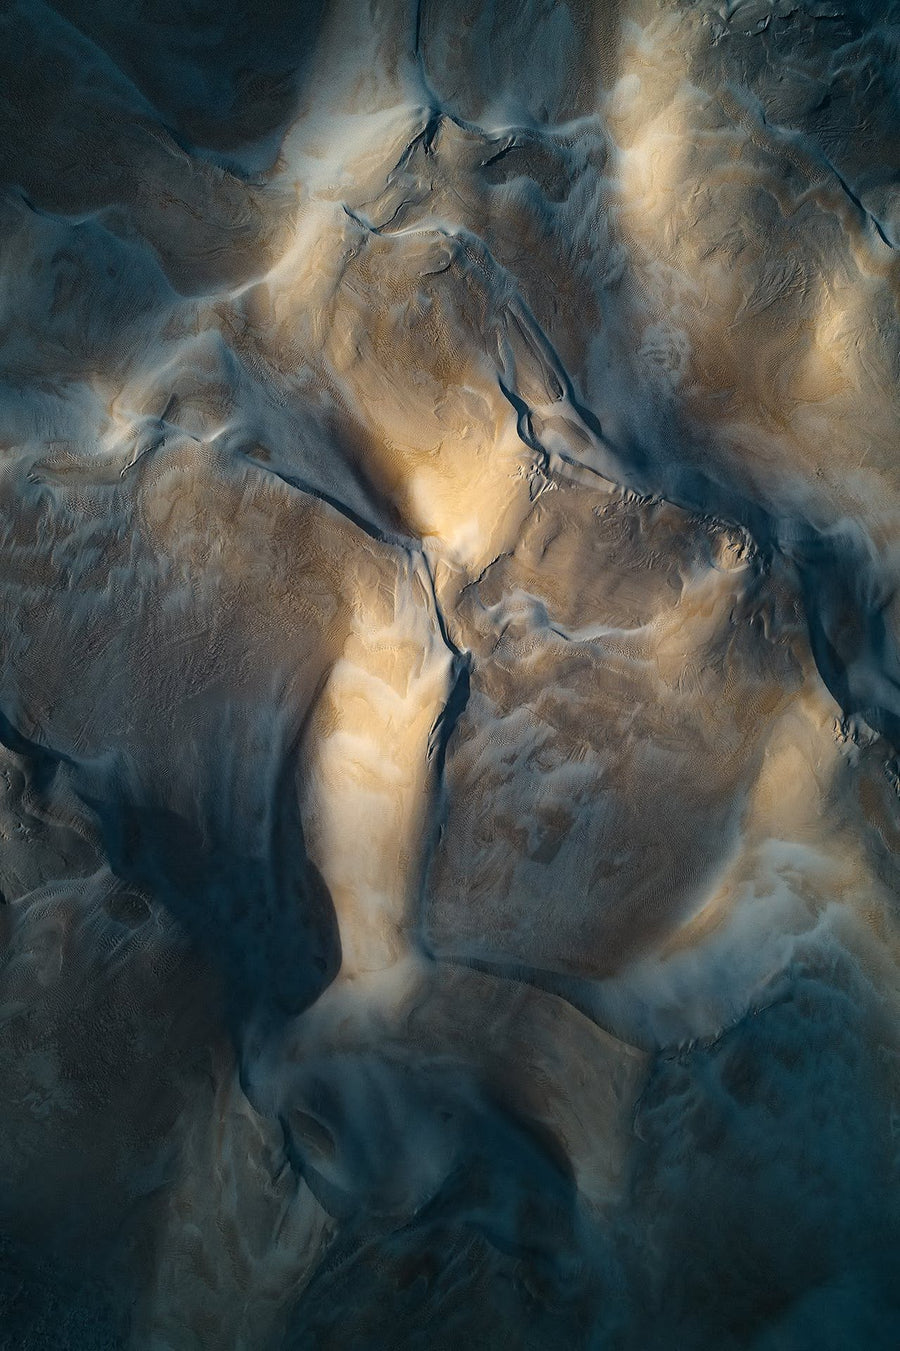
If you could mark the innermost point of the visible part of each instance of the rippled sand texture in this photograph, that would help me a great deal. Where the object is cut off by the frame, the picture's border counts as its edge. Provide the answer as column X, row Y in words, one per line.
column 450, row 687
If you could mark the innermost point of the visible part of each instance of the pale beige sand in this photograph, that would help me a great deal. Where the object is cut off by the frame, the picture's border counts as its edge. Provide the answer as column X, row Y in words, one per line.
column 450, row 698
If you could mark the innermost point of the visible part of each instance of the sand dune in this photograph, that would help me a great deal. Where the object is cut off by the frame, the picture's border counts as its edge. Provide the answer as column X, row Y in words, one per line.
column 450, row 688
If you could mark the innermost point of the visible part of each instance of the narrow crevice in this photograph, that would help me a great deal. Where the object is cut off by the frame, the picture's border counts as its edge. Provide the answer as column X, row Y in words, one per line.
column 371, row 528
column 815, row 156
column 863, row 210
column 445, row 724
column 505, row 150
column 446, row 721
column 524, row 426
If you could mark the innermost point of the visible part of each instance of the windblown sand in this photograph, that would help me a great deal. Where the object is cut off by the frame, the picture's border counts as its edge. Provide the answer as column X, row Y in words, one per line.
column 450, row 678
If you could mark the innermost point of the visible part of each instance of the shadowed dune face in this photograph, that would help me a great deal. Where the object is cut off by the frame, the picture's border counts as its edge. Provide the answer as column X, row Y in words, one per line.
column 646, row 697
column 449, row 717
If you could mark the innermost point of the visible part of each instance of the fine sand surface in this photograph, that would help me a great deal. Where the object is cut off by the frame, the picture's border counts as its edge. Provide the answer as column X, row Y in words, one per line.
column 450, row 675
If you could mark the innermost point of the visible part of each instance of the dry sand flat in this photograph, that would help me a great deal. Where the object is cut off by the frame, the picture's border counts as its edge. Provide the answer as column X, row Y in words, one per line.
column 449, row 715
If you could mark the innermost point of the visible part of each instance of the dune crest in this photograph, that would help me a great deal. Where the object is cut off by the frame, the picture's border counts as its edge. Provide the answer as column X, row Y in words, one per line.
column 450, row 689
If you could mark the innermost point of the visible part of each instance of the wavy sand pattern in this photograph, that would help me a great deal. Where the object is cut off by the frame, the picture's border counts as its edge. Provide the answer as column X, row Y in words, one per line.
column 450, row 686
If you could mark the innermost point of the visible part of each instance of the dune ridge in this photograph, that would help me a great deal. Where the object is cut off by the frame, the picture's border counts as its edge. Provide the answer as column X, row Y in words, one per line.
column 450, row 693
